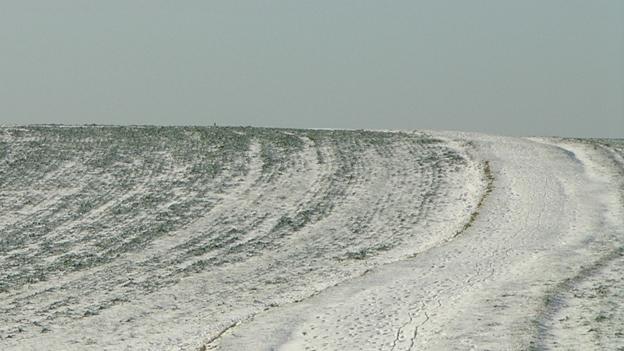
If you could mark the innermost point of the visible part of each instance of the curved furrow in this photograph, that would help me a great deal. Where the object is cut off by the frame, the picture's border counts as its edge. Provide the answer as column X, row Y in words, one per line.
column 252, row 216
column 71, row 243
column 160, row 268
column 265, row 219
column 387, row 199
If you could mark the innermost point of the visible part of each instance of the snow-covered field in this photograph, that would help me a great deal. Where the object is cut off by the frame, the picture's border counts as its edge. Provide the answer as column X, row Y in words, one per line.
column 234, row 238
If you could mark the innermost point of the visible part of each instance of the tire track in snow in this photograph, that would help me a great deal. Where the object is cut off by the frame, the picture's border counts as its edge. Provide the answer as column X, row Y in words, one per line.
column 579, row 309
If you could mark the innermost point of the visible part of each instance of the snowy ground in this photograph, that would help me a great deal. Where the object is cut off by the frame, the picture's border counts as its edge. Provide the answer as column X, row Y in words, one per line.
column 147, row 238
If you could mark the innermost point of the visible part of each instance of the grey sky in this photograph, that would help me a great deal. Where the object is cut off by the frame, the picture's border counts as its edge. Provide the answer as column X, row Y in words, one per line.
column 522, row 67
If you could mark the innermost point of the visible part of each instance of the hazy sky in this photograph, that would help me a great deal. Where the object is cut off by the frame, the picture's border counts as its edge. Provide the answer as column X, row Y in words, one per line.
column 521, row 67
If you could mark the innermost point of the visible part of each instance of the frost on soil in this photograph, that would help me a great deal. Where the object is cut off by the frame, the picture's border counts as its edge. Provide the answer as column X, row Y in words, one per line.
column 143, row 238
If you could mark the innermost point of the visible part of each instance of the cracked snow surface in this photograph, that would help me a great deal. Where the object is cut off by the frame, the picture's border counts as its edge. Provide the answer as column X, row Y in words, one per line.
column 233, row 238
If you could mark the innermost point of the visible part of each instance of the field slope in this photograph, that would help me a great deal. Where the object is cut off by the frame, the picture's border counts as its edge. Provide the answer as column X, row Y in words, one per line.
column 237, row 238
